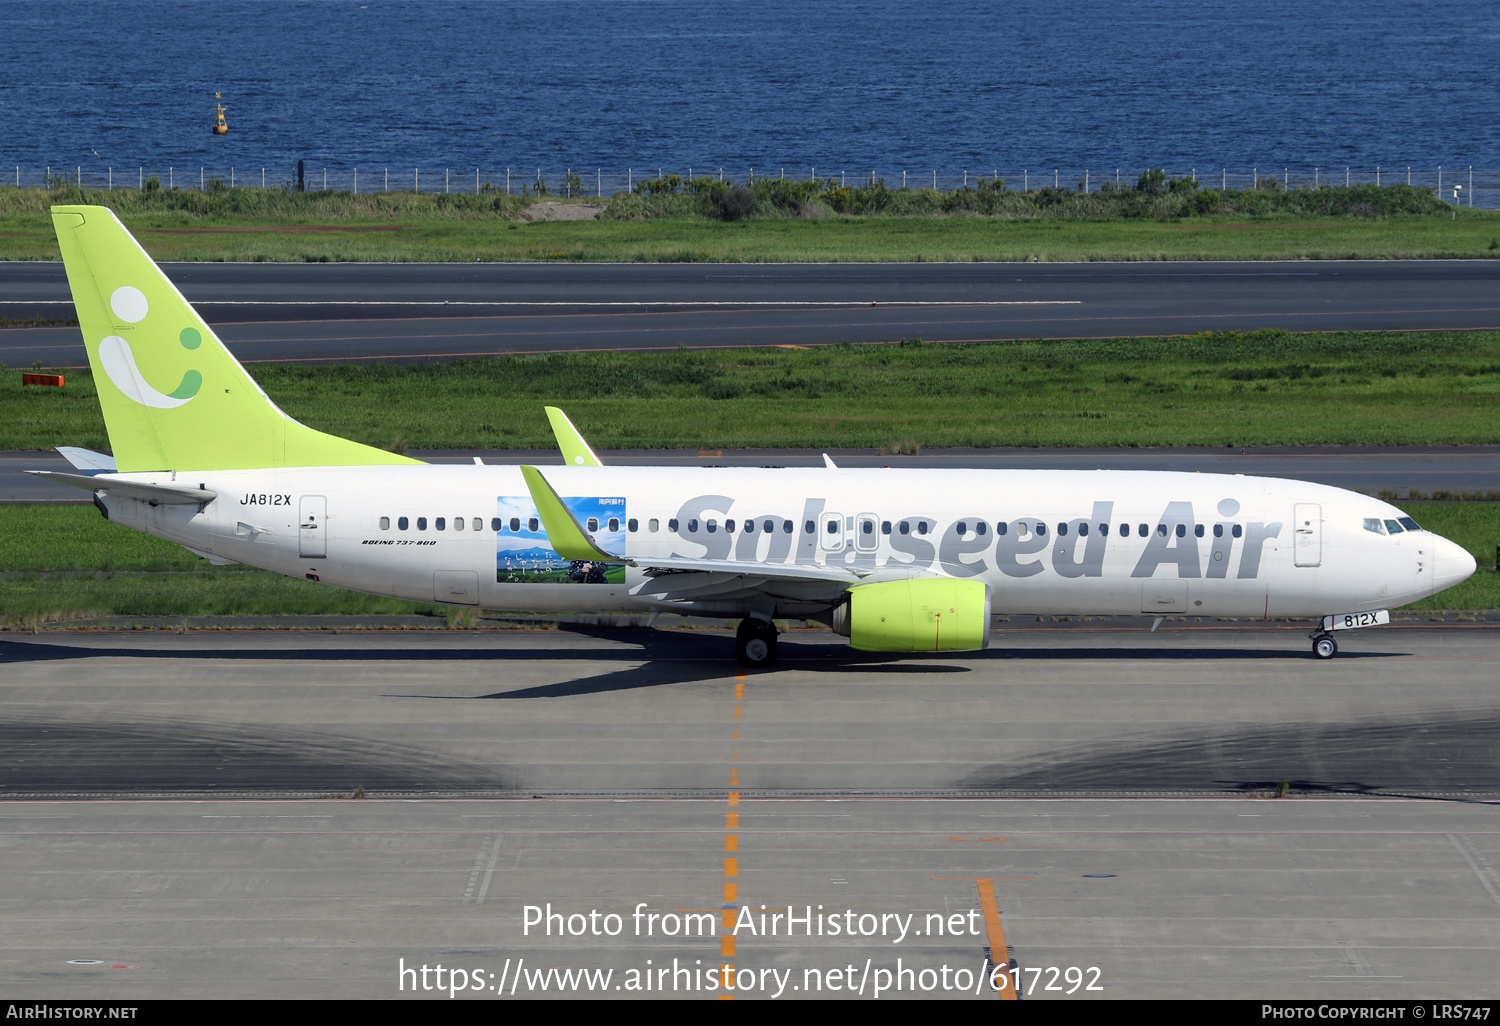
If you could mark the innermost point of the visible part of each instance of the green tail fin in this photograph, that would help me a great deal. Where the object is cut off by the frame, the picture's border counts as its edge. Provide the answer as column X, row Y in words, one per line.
column 173, row 397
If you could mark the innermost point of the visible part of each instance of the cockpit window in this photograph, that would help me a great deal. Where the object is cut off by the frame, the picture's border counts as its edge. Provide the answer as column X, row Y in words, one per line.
column 1393, row 527
column 1409, row 524
column 1374, row 525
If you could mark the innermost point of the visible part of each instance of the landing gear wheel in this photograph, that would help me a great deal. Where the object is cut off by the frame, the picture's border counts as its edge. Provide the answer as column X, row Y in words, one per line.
column 755, row 644
column 1325, row 647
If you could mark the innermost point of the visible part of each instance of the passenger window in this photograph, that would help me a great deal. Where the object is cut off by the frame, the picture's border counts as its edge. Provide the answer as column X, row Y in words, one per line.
column 441, row 524
column 1182, row 530
column 1083, row 529
column 1104, row 530
column 478, row 524
column 981, row 528
column 921, row 527
column 885, row 527
column 385, row 523
column 1145, row 530
column 692, row 527
column 533, row 525
column 1001, row 527
column 769, row 526
column 593, row 524
column 653, row 525
column 632, row 525
column 672, row 525
column 963, row 528
column 1393, row 527
column 1161, row 529
column 458, row 523
column 614, row 524
column 1041, row 529
column 905, row 527
column 867, row 526
column 729, row 527
column 421, row 523
column 1236, row 530
column 833, row 527
column 1218, row 530
column 1409, row 524
column 497, row 525
column 713, row 525
column 1197, row 530
column 786, row 527
column 1124, row 530
column 1062, row 530
column 810, row 528
column 515, row 524
column 749, row 526
column 402, row 523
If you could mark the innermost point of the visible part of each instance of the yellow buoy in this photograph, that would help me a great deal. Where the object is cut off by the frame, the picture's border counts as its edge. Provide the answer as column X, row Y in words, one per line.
column 220, row 125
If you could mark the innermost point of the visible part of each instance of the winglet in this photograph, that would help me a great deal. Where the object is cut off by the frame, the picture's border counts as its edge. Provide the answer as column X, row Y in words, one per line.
column 576, row 451
column 564, row 533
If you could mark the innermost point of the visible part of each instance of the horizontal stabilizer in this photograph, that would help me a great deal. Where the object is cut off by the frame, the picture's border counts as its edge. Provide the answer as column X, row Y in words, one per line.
column 87, row 460
column 145, row 491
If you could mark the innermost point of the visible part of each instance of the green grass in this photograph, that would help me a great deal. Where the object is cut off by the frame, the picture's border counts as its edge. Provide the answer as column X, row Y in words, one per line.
column 1261, row 388
column 894, row 225
column 66, row 561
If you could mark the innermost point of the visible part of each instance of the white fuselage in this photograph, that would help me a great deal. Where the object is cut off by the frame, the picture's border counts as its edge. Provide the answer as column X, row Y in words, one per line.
column 1059, row 542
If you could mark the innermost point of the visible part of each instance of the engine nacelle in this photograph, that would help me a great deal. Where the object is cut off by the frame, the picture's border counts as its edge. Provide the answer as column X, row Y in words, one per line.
column 927, row 614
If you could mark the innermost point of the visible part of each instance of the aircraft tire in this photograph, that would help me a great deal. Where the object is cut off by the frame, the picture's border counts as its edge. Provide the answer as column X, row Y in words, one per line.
column 755, row 646
column 1325, row 647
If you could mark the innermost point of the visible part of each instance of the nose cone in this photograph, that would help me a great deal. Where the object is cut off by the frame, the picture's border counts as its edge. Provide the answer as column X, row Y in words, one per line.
column 1452, row 564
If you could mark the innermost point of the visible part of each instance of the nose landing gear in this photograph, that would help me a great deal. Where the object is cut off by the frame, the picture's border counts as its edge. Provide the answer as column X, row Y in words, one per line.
column 1323, row 645
column 755, row 643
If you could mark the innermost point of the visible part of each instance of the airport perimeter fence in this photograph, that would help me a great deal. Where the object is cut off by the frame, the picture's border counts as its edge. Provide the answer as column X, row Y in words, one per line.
column 1462, row 184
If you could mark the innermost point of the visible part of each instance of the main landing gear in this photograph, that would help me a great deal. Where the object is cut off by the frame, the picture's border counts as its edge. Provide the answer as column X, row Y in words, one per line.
column 1323, row 645
column 755, row 643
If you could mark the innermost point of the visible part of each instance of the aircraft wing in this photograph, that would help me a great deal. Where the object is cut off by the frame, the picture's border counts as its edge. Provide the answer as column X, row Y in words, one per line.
column 796, row 571
column 570, row 540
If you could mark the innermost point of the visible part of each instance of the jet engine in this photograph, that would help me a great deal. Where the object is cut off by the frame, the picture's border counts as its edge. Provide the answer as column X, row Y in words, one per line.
column 929, row 614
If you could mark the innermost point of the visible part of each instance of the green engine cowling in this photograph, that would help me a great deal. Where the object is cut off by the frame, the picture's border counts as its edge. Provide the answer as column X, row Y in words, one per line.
column 936, row 614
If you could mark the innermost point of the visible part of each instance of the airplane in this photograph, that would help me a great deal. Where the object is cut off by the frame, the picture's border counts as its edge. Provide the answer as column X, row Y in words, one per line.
column 896, row 560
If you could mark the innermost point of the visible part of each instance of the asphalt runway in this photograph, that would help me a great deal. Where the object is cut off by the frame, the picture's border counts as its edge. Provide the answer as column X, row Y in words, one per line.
column 1457, row 468
column 344, row 312
column 1099, row 799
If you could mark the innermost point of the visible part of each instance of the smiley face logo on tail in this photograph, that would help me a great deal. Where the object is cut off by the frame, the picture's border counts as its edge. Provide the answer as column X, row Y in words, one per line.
column 115, row 356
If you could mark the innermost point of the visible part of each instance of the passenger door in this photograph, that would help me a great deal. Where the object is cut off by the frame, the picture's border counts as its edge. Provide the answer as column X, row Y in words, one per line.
column 312, row 526
column 1307, row 530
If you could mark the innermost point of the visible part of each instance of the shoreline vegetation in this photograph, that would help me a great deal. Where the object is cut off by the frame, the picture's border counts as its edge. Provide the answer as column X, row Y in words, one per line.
column 61, row 563
column 1264, row 387
column 704, row 219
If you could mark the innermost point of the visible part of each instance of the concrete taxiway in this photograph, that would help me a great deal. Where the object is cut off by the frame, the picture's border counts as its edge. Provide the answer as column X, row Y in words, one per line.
column 350, row 312
column 1077, row 798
